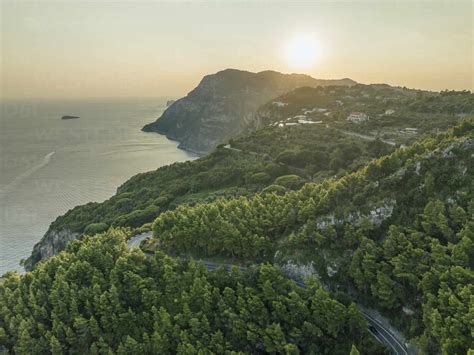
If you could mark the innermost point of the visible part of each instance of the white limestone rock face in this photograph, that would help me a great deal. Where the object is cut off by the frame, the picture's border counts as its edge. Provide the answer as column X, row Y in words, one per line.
column 299, row 271
column 408, row 311
column 331, row 270
column 51, row 244
column 376, row 216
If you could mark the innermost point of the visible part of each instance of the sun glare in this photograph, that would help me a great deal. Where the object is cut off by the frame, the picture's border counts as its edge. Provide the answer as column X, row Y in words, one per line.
column 302, row 52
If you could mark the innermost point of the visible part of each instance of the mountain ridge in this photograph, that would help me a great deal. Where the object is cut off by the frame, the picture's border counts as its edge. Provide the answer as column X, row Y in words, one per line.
column 224, row 105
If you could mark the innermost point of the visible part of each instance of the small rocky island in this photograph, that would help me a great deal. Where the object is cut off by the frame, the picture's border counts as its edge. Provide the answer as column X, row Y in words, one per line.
column 69, row 117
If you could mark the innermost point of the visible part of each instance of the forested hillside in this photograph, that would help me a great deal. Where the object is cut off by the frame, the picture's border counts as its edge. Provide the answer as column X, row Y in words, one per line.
column 398, row 234
column 100, row 298
column 223, row 104
column 273, row 157
column 368, row 189
column 226, row 172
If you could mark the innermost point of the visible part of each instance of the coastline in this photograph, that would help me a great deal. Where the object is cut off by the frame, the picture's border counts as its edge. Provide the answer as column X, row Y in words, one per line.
column 73, row 170
column 199, row 154
column 52, row 241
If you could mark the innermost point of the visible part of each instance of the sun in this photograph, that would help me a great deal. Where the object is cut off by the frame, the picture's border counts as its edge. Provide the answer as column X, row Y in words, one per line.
column 302, row 52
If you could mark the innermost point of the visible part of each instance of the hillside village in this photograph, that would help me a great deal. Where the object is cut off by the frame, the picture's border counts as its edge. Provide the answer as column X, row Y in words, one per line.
column 380, row 111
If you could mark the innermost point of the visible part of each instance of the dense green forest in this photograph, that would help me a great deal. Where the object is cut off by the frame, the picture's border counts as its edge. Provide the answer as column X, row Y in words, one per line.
column 399, row 233
column 380, row 211
column 98, row 297
column 274, row 157
column 224, row 173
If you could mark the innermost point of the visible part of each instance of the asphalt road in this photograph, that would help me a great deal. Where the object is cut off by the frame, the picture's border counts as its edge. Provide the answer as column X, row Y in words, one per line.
column 134, row 242
column 366, row 137
column 382, row 334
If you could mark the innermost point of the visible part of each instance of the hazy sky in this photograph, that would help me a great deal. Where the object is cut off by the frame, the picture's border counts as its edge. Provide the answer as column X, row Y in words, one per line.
column 112, row 48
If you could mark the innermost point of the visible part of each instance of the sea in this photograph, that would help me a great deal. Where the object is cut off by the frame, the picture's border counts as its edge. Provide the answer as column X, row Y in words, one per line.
column 49, row 165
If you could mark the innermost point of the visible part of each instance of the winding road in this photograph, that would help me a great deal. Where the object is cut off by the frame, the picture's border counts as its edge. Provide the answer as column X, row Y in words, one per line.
column 376, row 329
column 366, row 137
column 134, row 242
column 384, row 336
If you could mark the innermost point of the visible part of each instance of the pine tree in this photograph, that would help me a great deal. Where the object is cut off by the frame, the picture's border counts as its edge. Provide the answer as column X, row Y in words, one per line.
column 55, row 346
column 354, row 350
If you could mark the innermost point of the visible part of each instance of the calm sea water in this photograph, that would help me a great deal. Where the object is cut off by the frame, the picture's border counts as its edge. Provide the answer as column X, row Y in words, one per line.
column 49, row 165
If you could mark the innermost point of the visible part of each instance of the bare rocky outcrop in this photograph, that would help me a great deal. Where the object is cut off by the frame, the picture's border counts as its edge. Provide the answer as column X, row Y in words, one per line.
column 225, row 105
column 295, row 270
column 52, row 243
column 376, row 215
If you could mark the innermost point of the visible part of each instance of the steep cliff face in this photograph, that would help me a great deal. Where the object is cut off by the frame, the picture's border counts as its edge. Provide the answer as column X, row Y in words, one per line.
column 224, row 105
column 52, row 243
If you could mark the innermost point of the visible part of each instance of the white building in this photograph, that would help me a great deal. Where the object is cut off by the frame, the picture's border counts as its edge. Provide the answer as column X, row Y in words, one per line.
column 309, row 122
column 279, row 104
column 357, row 117
column 313, row 110
column 300, row 117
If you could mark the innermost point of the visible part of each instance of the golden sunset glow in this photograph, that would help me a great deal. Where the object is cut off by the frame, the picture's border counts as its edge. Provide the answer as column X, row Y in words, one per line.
column 302, row 52
column 75, row 49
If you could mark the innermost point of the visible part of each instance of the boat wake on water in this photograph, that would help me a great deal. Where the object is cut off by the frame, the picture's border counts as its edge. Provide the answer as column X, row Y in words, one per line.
column 44, row 162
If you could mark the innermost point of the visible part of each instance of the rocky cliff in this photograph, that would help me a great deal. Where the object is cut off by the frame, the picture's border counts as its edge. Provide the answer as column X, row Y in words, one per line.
column 52, row 243
column 224, row 105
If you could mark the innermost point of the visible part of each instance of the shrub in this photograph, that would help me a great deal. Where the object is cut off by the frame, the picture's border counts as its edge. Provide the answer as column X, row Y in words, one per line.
column 277, row 189
column 163, row 200
column 96, row 228
column 287, row 157
column 258, row 178
column 289, row 181
column 138, row 217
